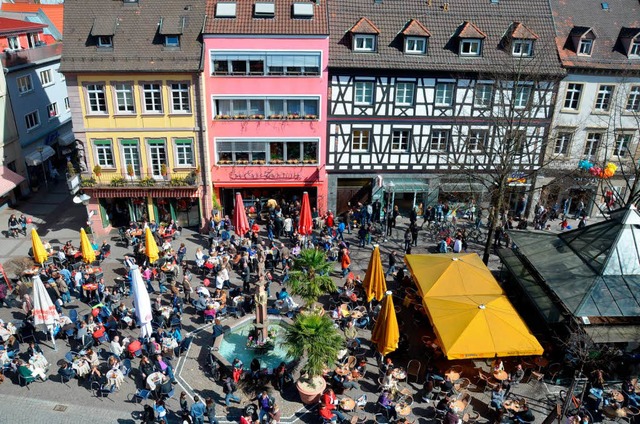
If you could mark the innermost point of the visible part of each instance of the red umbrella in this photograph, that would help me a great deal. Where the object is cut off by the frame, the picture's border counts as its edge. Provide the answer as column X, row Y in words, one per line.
column 240, row 221
column 305, row 226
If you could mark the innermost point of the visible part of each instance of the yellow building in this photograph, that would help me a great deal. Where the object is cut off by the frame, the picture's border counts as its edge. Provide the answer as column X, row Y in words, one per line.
column 134, row 91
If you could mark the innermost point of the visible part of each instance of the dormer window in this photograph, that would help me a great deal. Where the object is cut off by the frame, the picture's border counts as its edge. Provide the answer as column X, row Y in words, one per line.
column 585, row 46
column 364, row 36
column 171, row 28
column 470, row 38
column 634, row 50
column 522, row 48
column 415, row 37
column 364, row 43
column 105, row 41
column 470, row 47
column 171, row 41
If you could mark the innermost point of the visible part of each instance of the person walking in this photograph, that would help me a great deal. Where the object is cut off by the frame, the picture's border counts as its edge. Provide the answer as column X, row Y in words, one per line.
column 392, row 263
column 407, row 239
column 197, row 410
column 346, row 262
column 229, row 388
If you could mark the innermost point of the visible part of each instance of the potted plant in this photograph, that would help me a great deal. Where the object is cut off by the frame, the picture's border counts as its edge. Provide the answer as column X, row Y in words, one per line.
column 73, row 179
column 71, row 170
column 130, row 171
column 293, row 115
column 316, row 341
column 97, row 170
column 310, row 276
column 240, row 116
column 275, row 116
column 311, row 116
column 163, row 170
column 215, row 203
column 257, row 116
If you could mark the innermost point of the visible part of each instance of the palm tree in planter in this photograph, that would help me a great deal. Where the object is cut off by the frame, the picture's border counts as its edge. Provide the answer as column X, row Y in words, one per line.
column 316, row 341
column 310, row 276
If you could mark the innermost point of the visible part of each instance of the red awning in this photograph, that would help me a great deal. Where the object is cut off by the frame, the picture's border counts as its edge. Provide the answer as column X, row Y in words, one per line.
column 8, row 180
column 142, row 192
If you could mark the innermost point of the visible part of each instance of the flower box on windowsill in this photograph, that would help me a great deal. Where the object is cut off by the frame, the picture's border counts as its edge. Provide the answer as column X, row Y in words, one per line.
column 257, row 116
column 223, row 117
column 275, row 116
column 293, row 116
column 224, row 162
column 293, row 161
column 239, row 116
column 258, row 162
column 276, row 161
column 311, row 117
column 242, row 162
column 310, row 161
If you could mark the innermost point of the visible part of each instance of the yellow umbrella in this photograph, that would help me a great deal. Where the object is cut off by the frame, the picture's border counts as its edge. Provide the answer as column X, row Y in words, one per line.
column 375, row 283
column 88, row 254
column 39, row 254
column 386, row 333
column 480, row 326
column 449, row 274
column 150, row 246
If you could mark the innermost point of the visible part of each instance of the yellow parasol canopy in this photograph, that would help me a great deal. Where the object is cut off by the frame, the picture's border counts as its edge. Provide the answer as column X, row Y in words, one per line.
column 375, row 283
column 39, row 253
column 480, row 326
column 88, row 255
column 150, row 246
column 448, row 274
column 386, row 333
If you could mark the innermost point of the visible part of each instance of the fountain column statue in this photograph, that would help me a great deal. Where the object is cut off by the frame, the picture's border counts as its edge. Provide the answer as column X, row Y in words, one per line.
column 261, row 311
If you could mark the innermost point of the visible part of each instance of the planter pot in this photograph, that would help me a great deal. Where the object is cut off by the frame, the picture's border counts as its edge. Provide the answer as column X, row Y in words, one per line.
column 310, row 390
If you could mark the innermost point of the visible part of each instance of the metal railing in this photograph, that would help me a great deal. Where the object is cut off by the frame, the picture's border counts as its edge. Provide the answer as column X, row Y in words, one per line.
column 14, row 58
column 144, row 179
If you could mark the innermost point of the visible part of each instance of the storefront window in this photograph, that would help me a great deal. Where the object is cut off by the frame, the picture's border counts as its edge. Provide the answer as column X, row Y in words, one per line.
column 276, row 151
column 310, row 151
column 293, row 151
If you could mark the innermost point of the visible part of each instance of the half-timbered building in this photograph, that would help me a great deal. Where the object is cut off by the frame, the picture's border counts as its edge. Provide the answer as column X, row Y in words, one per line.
column 426, row 97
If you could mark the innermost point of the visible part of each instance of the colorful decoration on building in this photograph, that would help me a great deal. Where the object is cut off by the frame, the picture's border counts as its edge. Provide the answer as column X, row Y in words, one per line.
column 603, row 173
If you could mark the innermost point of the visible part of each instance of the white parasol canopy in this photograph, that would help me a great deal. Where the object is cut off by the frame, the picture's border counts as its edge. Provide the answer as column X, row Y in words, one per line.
column 142, row 302
column 44, row 311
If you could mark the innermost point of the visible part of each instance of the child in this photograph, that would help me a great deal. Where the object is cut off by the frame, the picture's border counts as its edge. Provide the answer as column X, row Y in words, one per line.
column 184, row 407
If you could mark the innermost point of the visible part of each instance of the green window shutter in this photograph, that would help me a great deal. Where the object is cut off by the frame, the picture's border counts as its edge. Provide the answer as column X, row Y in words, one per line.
column 104, row 216
column 155, row 211
column 172, row 210
column 129, row 142
column 155, row 141
column 103, row 142
column 182, row 141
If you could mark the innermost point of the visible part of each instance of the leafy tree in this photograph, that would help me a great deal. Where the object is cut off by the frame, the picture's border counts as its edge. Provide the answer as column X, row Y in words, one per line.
column 310, row 276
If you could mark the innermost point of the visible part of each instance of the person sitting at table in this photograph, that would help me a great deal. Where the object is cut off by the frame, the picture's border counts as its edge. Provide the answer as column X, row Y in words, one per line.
column 360, row 369
column 92, row 357
column 68, row 249
column 387, row 405
column 629, row 393
column 255, row 368
column 451, row 417
column 345, row 381
column 497, row 398
column 517, row 375
column 497, row 364
column 99, row 333
column 388, row 382
column 95, row 374
column 33, row 349
column 209, row 313
column 328, row 414
column 66, row 371
column 166, row 245
column 524, row 415
column 351, row 333
column 237, row 369
column 154, row 347
column 146, row 368
column 116, row 347
column 164, row 367
column 447, row 385
column 386, row 365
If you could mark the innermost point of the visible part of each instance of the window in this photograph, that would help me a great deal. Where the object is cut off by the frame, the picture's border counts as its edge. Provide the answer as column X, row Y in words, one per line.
column 172, row 41
column 477, row 140
column 633, row 101
column 634, row 50
column 563, row 141
column 131, row 155
column 364, row 43
column 593, row 142
column 67, row 105
column 259, row 151
column 585, row 47
column 32, row 120
column 273, row 108
column 483, row 95
column 104, row 153
column 24, row 84
column 157, row 156
column 603, row 99
column 52, row 110
column 14, row 43
column 184, row 152
column 572, row 96
column 360, row 140
column 266, row 63
column 623, row 142
column 439, row 140
column 400, row 140
column 97, row 103
column 45, row 77
column 180, row 97
column 444, row 94
column 124, row 97
column 152, row 93
column 415, row 45
column 404, row 93
column 522, row 95
column 105, row 41
column 364, row 92
column 470, row 47
column 62, row 77
column 522, row 47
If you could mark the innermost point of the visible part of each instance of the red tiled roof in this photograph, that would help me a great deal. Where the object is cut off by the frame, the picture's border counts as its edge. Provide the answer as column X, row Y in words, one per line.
column 469, row 30
column 520, row 31
column 55, row 12
column 11, row 26
column 415, row 27
column 364, row 26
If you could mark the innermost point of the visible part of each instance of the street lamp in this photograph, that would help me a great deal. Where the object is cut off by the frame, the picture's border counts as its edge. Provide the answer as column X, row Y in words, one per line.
column 83, row 198
column 44, row 173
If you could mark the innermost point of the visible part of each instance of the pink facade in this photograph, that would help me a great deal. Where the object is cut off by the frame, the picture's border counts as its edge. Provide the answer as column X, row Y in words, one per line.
column 300, row 126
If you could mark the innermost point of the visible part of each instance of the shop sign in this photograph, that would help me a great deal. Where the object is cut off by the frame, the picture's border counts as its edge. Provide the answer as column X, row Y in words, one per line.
column 266, row 174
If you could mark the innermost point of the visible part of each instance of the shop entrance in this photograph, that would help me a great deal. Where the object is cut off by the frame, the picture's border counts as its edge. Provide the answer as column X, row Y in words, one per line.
column 257, row 197
column 184, row 210
column 119, row 212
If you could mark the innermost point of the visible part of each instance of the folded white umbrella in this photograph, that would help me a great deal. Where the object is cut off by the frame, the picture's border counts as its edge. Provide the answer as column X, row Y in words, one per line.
column 142, row 302
column 44, row 311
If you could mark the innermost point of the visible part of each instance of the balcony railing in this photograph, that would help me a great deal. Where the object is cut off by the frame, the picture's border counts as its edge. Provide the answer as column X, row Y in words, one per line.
column 14, row 58
column 146, row 180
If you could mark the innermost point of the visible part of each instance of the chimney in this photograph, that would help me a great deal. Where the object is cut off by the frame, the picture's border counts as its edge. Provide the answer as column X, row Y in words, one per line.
column 445, row 7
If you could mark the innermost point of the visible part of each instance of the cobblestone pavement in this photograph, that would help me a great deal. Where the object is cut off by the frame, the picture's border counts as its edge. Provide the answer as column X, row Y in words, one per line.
column 58, row 220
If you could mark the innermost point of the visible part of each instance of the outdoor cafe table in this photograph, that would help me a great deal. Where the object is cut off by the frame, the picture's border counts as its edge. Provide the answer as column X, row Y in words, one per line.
column 453, row 376
column 356, row 314
column 92, row 270
column 81, row 366
column 342, row 371
column 115, row 378
column 154, row 379
column 500, row 375
column 403, row 409
column 541, row 362
column 347, row 404
column 399, row 373
column 457, row 406
column 511, row 405
column 34, row 270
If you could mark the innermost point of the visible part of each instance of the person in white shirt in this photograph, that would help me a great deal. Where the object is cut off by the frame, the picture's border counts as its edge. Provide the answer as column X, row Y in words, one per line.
column 116, row 347
column 288, row 226
column 457, row 245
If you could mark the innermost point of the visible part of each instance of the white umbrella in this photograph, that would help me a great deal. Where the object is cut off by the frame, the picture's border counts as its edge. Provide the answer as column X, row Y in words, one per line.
column 142, row 302
column 44, row 311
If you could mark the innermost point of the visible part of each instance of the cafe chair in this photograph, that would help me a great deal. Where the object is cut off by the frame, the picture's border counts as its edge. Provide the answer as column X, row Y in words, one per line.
column 536, row 377
column 413, row 369
column 553, row 371
column 139, row 396
column 25, row 377
column 101, row 390
column 126, row 366
column 352, row 361
column 470, row 417
column 461, row 385
column 457, row 369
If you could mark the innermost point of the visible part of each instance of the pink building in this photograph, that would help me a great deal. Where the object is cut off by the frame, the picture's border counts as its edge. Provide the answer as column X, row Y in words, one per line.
column 266, row 87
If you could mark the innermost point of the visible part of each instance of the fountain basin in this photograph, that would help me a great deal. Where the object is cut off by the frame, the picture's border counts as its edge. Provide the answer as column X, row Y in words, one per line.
column 234, row 344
